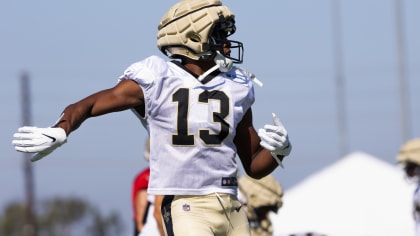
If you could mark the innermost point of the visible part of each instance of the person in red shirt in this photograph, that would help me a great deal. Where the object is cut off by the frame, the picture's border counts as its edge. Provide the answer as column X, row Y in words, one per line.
column 146, row 221
column 140, row 202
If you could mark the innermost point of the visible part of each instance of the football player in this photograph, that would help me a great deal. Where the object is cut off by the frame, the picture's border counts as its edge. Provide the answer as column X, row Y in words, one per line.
column 196, row 108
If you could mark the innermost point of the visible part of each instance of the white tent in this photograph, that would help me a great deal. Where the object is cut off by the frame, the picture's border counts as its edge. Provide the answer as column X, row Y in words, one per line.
column 359, row 195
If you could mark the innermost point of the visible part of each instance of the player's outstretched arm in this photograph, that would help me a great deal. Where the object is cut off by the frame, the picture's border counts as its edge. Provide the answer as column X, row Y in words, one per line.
column 42, row 141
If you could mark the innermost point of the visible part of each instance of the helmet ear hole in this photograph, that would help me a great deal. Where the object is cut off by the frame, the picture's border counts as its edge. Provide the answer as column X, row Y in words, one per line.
column 193, row 36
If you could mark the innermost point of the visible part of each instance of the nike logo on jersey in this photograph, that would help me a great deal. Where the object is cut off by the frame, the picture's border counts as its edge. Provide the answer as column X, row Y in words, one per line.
column 52, row 138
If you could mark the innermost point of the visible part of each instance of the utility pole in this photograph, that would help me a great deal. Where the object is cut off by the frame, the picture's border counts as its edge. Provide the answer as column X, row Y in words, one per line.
column 30, row 227
column 402, row 78
column 339, row 79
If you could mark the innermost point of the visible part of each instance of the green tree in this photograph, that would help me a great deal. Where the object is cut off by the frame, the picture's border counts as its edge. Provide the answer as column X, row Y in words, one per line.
column 12, row 220
column 105, row 226
column 60, row 216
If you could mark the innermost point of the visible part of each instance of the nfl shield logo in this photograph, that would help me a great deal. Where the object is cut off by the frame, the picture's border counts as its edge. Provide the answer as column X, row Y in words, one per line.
column 186, row 207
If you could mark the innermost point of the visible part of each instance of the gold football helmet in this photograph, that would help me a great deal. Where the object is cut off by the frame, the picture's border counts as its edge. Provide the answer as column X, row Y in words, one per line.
column 197, row 29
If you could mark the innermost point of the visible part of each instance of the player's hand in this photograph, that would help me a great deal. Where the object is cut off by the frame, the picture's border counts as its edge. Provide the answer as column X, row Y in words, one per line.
column 274, row 138
column 41, row 141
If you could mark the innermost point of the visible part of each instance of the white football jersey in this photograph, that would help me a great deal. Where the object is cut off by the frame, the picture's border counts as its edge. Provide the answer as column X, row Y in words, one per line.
column 191, row 126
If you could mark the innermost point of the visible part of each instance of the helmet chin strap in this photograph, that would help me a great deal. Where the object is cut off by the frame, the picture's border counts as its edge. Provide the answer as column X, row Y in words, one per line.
column 223, row 63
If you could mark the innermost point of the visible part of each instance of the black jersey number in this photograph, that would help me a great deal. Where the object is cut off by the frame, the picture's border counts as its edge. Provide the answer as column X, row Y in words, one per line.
column 182, row 137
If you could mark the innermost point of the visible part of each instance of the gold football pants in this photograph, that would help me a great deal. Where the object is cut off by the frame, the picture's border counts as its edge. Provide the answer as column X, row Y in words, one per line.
column 215, row 214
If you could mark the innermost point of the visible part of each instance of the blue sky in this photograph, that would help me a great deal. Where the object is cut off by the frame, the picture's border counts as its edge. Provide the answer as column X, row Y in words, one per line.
column 72, row 49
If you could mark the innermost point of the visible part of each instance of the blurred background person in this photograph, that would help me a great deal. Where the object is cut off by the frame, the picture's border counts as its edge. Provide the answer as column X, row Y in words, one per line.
column 158, row 215
column 146, row 221
column 260, row 197
column 409, row 158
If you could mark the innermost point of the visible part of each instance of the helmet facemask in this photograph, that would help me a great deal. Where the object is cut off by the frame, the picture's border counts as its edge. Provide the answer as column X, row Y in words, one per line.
column 219, row 38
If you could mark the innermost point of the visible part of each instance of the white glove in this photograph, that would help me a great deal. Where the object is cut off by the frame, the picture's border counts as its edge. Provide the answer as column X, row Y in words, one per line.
column 274, row 138
column 41, row 141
